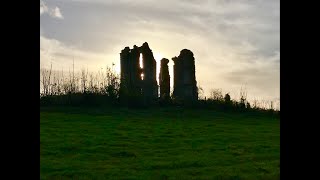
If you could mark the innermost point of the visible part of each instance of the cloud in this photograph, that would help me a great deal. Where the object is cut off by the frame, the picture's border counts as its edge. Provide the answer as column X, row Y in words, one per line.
column 62, row 56
column 57, row 13
column 234, row 42
column 52, row 12
column 43, row 7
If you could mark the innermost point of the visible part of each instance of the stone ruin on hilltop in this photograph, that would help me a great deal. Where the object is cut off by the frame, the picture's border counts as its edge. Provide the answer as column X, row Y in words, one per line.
column 142, row 82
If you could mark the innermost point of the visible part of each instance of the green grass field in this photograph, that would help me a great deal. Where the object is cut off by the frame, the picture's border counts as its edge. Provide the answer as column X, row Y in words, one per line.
column 78, row 143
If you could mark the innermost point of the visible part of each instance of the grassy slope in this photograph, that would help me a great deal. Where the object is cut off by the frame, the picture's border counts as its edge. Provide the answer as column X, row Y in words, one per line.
column 158, row 144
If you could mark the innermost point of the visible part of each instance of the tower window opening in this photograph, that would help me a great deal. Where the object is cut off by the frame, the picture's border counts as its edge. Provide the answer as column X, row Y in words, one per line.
column 141, row 65
column 141, row 61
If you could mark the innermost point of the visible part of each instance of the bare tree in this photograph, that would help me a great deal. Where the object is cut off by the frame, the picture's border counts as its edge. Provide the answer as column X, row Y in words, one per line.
column 216, row 94
column 84, row 79
column 46, row 77
column 255, row 104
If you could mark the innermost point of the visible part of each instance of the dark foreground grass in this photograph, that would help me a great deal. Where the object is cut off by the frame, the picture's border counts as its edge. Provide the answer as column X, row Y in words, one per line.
column 78, row 143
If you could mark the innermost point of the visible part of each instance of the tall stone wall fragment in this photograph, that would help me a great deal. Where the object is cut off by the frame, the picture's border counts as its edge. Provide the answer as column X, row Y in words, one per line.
column 164, row 79
column 185, row 84
column 150, row 85
column 131, row 81
column 125, row 72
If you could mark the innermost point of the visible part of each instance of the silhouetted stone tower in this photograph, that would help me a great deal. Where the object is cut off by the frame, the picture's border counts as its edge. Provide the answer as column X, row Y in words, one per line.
column 131, row 82
column 164, row 79
column 130, row 71
column 185, row 84
column 150, row 85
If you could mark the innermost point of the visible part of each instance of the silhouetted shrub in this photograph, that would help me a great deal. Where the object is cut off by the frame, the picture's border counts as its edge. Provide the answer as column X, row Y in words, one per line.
column 103, row 89
column 227, row 98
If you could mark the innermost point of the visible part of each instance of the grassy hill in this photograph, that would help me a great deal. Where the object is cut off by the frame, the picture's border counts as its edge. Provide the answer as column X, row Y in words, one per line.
column 165, row 143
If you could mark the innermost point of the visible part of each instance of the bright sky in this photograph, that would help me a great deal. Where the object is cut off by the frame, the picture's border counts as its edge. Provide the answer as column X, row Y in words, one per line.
column 236, row 43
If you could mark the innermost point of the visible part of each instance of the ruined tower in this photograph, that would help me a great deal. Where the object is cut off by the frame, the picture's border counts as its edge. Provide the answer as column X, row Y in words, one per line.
column 185, row 84
column 164, row 79
column 131, row 82
column 150, row 85
column 130, row 71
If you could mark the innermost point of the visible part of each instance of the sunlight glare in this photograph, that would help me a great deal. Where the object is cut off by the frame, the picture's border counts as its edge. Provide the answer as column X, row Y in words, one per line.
column 157, row 56
column 140, row 61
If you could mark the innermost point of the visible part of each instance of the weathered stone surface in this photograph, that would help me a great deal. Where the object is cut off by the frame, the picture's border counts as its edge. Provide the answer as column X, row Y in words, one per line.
column 185, row 84
column 164, row 79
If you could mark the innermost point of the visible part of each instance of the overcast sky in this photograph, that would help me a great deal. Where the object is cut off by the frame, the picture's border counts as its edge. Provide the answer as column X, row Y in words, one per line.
column 236, row 43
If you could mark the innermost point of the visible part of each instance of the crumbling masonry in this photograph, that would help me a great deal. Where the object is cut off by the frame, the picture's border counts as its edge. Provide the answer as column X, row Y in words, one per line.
column 164, row 80
column 131, row 74
column 132, row 83
column 185, row 84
